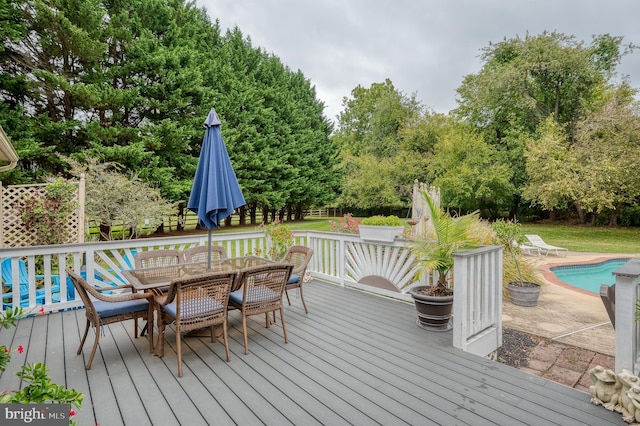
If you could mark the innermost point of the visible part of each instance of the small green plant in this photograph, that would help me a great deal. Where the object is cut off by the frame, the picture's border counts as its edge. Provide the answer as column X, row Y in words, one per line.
column 279, row 237
column 509, row 235
column 447, row 234
column 37, row 386
column 382, row 221
column 345, row 225
column 515, row 269
column 47, row 215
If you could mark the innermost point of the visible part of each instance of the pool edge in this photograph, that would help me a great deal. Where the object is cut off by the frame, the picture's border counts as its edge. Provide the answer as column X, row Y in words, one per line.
column 550, row 277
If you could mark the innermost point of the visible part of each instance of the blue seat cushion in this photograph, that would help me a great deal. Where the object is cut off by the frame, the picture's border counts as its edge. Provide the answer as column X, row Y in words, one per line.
column 256, row 294
column 201, row 307
column 111, row 309
column 293, row 279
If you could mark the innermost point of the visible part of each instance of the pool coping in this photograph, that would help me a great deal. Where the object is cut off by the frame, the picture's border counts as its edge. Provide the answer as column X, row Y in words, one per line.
column 550, row 277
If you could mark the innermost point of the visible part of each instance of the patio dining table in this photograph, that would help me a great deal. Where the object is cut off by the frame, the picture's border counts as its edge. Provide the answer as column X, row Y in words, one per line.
column 152, row 279
column 149, row 279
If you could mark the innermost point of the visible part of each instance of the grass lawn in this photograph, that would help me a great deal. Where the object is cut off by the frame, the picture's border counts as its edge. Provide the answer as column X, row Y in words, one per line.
column 588, row 238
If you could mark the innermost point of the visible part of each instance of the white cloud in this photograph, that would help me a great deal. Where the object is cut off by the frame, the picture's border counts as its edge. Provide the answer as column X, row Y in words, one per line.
column 423, row 47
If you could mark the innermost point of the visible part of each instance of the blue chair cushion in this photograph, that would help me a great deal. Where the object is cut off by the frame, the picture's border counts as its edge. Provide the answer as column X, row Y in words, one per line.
column 293, row 279
column 254, row 295
column 171, row 308
column 110, row 309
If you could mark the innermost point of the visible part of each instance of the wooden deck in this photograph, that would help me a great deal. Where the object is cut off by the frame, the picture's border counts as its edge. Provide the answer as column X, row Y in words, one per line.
column 354, row 359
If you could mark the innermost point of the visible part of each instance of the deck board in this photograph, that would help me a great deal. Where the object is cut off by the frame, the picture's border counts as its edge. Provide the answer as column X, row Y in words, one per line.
column 355, row 359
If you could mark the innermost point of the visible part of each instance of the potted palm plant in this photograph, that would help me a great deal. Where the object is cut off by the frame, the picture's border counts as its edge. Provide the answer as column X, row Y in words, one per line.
column 380, row 228
column 434, row 254
column 518, row 274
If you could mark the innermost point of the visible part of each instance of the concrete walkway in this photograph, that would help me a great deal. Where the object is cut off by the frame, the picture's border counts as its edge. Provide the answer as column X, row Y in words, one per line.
column 577, row 330
column 565, row 314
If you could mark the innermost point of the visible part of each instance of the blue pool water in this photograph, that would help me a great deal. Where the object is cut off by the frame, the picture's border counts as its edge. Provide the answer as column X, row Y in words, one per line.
column 589, row 277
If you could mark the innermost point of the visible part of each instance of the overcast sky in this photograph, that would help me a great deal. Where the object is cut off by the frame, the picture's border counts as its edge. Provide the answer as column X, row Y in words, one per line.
column 424, row 47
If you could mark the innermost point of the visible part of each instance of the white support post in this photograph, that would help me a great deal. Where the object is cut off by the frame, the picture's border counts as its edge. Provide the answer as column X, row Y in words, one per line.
column 627, row 328
column 477, row 300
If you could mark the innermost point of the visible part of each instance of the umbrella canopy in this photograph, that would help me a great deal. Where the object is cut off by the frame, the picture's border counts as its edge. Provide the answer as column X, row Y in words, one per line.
column 215, row 193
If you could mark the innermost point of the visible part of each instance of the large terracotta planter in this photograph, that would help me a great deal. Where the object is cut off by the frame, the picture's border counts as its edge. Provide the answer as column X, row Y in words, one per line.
column 434, row 312
column 524, row 294
column 380, row 233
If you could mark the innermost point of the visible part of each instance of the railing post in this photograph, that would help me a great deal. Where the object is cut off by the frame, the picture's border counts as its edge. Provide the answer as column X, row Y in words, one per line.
column 627, row 279
column 80, row 226
column 477, row 300
column 342, row 255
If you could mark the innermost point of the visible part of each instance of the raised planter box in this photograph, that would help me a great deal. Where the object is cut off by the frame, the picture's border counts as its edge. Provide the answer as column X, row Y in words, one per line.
column 380, row 233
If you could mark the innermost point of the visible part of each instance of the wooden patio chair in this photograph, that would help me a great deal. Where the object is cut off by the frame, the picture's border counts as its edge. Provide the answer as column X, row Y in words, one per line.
column 157, row 258
column 300, row 256
column 195, row 303
column 261, row 293
column 110, row 308
column 201, row 253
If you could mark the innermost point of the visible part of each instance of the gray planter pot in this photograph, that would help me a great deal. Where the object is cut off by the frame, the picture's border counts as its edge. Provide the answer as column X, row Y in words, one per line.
column 524, row 295
column 434, row 312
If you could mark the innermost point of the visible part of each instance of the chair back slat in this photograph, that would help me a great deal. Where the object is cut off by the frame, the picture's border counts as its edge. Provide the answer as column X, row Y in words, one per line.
column 158, row 258
column 201, row 253
column 300, row 256
column 7, row 273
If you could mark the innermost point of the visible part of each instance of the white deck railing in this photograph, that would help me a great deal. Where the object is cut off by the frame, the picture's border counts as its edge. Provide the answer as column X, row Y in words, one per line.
column 342, row 259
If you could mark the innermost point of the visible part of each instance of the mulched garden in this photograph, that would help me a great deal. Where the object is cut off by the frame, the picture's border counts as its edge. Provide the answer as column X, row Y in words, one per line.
column 516, row 347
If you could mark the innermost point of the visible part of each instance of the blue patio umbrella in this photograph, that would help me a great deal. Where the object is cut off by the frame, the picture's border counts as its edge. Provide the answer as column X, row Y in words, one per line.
column 215, row 193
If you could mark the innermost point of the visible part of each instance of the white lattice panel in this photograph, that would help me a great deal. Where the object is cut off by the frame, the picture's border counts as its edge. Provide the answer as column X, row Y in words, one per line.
column 15, row 234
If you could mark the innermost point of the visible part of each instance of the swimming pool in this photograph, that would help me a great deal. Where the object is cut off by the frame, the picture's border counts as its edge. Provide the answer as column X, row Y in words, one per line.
column 589, row 276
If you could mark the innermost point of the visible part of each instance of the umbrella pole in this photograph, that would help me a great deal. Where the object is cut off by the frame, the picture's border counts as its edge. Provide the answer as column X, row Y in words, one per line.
column 209, row 257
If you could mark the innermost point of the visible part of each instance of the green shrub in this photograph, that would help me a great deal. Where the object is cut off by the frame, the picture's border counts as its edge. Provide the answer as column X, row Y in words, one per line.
column 382, row 221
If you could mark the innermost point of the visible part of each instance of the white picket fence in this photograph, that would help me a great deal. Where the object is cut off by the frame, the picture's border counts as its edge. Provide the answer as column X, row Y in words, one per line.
column 341, row 259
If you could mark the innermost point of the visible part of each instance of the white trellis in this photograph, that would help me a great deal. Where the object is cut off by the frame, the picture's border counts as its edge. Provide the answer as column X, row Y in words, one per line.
column 13, row 232
column 420, row 214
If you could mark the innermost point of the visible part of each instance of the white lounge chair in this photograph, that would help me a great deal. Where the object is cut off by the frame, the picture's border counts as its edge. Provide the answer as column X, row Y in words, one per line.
column 530, row 250
column 536, row 241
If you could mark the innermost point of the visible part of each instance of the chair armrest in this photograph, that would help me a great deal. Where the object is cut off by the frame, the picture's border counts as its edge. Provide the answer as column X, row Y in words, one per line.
column 161, row 299
column 115, row 287
column 121, row 297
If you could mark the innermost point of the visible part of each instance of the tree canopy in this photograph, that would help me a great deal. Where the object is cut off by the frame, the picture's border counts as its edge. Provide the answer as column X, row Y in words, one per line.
column 543, row 126
column 524, row 83
column 132, row 83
